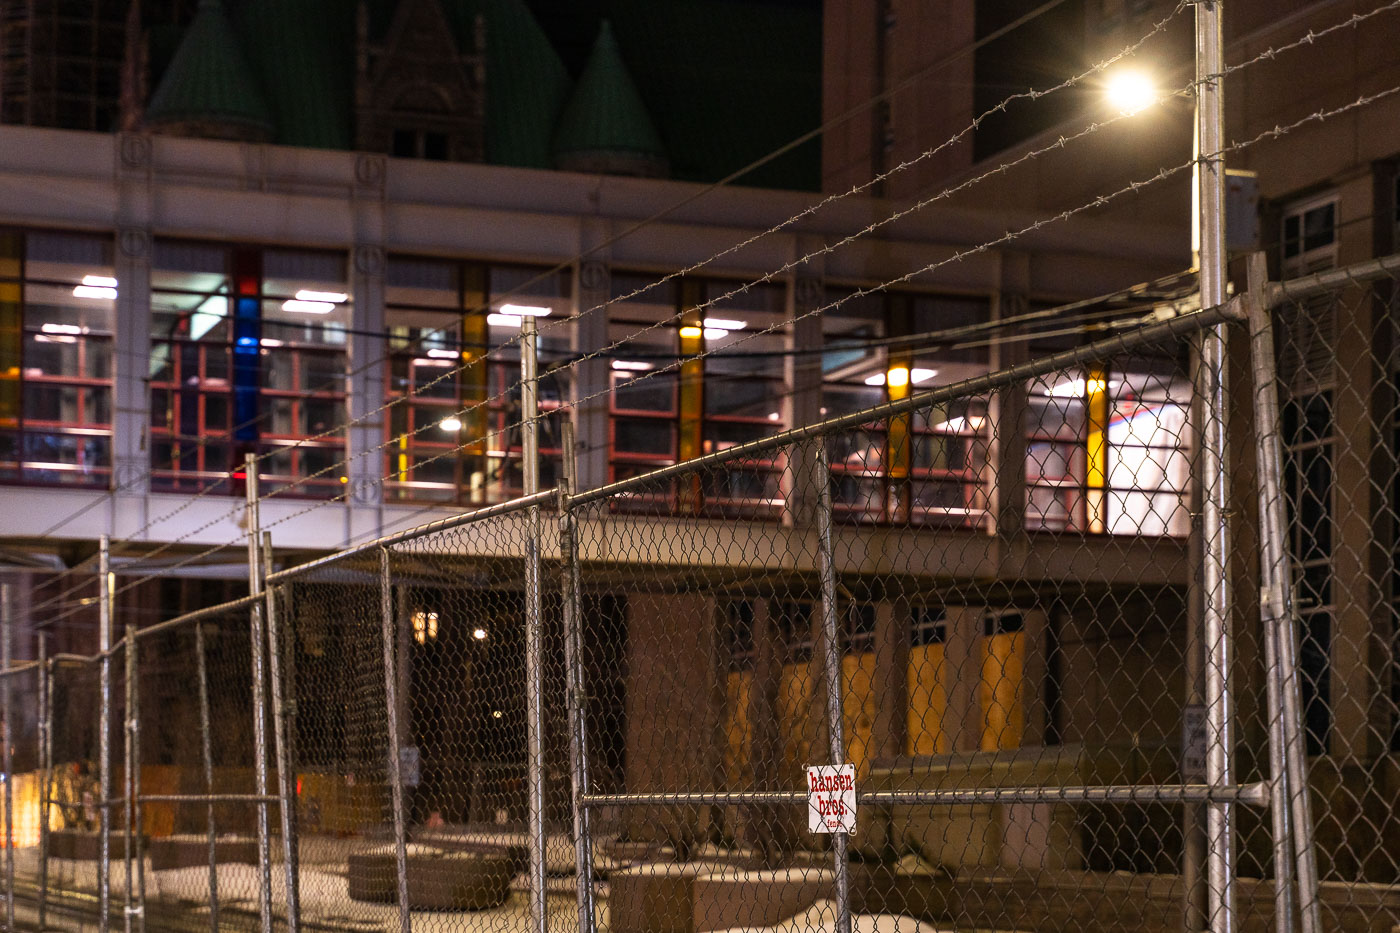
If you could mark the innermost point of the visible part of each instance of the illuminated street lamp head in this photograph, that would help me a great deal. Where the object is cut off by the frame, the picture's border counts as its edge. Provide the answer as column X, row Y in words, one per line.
column 1130, row 91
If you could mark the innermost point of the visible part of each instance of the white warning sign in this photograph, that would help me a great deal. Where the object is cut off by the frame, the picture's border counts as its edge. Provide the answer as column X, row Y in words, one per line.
column 831, row 799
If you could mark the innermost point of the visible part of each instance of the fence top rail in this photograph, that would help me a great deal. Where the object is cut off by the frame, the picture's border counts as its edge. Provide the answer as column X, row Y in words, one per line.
column 86, row 658
column 543, row 497
column 1365, row 271
column 1176, row 326
column 233, row 605
column 14, row 670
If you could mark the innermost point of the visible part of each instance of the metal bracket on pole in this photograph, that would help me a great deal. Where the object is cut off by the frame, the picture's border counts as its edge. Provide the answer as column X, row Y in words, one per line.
column 534, row 638
column 256, row 646
column 831, row 658
column 1289, row 800
column 570, row 586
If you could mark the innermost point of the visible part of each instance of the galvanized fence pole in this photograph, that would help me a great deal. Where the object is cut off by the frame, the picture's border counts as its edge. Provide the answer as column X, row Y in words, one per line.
column 45, row 772
column 831, row 667
column 1219, row 646
column 1289, row 799
column 286, row 778
column 389, row 634
column 7, row 622
column 534, row 636
column 128, row 770
column 104, row 735
column 256, row 644
column 570, row 585
column 135, row 856
column 207, row 751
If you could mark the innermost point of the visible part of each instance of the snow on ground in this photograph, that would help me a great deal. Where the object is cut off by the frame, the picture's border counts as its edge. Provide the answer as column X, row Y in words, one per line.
column 821, row 918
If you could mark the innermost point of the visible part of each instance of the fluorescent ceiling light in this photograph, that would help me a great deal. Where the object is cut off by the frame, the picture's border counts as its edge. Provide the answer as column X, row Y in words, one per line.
column 438, row 354
column 424, row 361
column 450, row 423
column 100, row 292
column 920, row 376
column 271, row 342
column 774, row 416
column 960, row 423
column 503, row 320
column 101, row 281
column 1078, row 388
column 54, row 338
column 525, row 310
column 725, row 323
column 878, row 379
column 61, row 329
column 307, row 294
column 631, row 366
column 715, row 333
column 307, row 306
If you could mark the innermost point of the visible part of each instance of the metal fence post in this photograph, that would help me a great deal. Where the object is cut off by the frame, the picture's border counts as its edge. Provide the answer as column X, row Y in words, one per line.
column 257, row 642
column 6, row 636
column 1289, row 799
column 128, row 768
column 135, row 862
column 45, row 772
column 831, row 657
column 104, row 737
column 534, row 636
column 388, row 629
column 286, row 780
column 207, row 752
column 1210, row 187
column 570, row 586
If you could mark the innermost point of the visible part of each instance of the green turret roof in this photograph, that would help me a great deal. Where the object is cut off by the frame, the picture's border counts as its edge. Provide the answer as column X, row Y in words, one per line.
column 209, row 79
column 606, row 112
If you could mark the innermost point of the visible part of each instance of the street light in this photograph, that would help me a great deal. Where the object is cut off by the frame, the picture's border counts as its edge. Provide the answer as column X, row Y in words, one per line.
column 1130, row 90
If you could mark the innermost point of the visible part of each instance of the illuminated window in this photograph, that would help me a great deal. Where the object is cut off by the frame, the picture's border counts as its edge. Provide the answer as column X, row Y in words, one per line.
column 425, row 626
column 453, row 430
column 1108, row 450
column 734, row 394
column 248, row 355
column 926, row 467
column 57, row 303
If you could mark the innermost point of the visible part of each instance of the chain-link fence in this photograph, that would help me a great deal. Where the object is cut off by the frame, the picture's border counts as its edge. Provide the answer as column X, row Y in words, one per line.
column 1102, row 640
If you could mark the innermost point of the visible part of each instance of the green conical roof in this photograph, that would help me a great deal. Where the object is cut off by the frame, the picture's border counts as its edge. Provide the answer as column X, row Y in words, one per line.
column 606, row 112
column 209, row 79
column 526, row 82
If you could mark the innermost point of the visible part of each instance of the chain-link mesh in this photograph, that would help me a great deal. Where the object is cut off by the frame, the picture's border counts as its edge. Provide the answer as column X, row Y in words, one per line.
column 1340, row 434
column 989, row 605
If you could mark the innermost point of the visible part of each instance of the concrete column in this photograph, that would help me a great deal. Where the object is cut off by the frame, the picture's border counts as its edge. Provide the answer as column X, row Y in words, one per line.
column 891, row 680
column 593, row 287
column 674, row 712
column 963, row 667
column 366, row 470
column 804, row 374
column 1006, row 460
column 131, row 458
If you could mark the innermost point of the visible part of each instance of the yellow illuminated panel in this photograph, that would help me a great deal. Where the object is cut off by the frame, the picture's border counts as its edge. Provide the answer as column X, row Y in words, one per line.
column 1096, row 473
column 1001, row 694
column 738, row 769
column 690, row 431
column 858, row 708
column 795, row 715
column 928, row 702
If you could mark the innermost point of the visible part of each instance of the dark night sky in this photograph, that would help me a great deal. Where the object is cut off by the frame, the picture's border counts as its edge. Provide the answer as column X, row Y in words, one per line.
column 572, row 25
